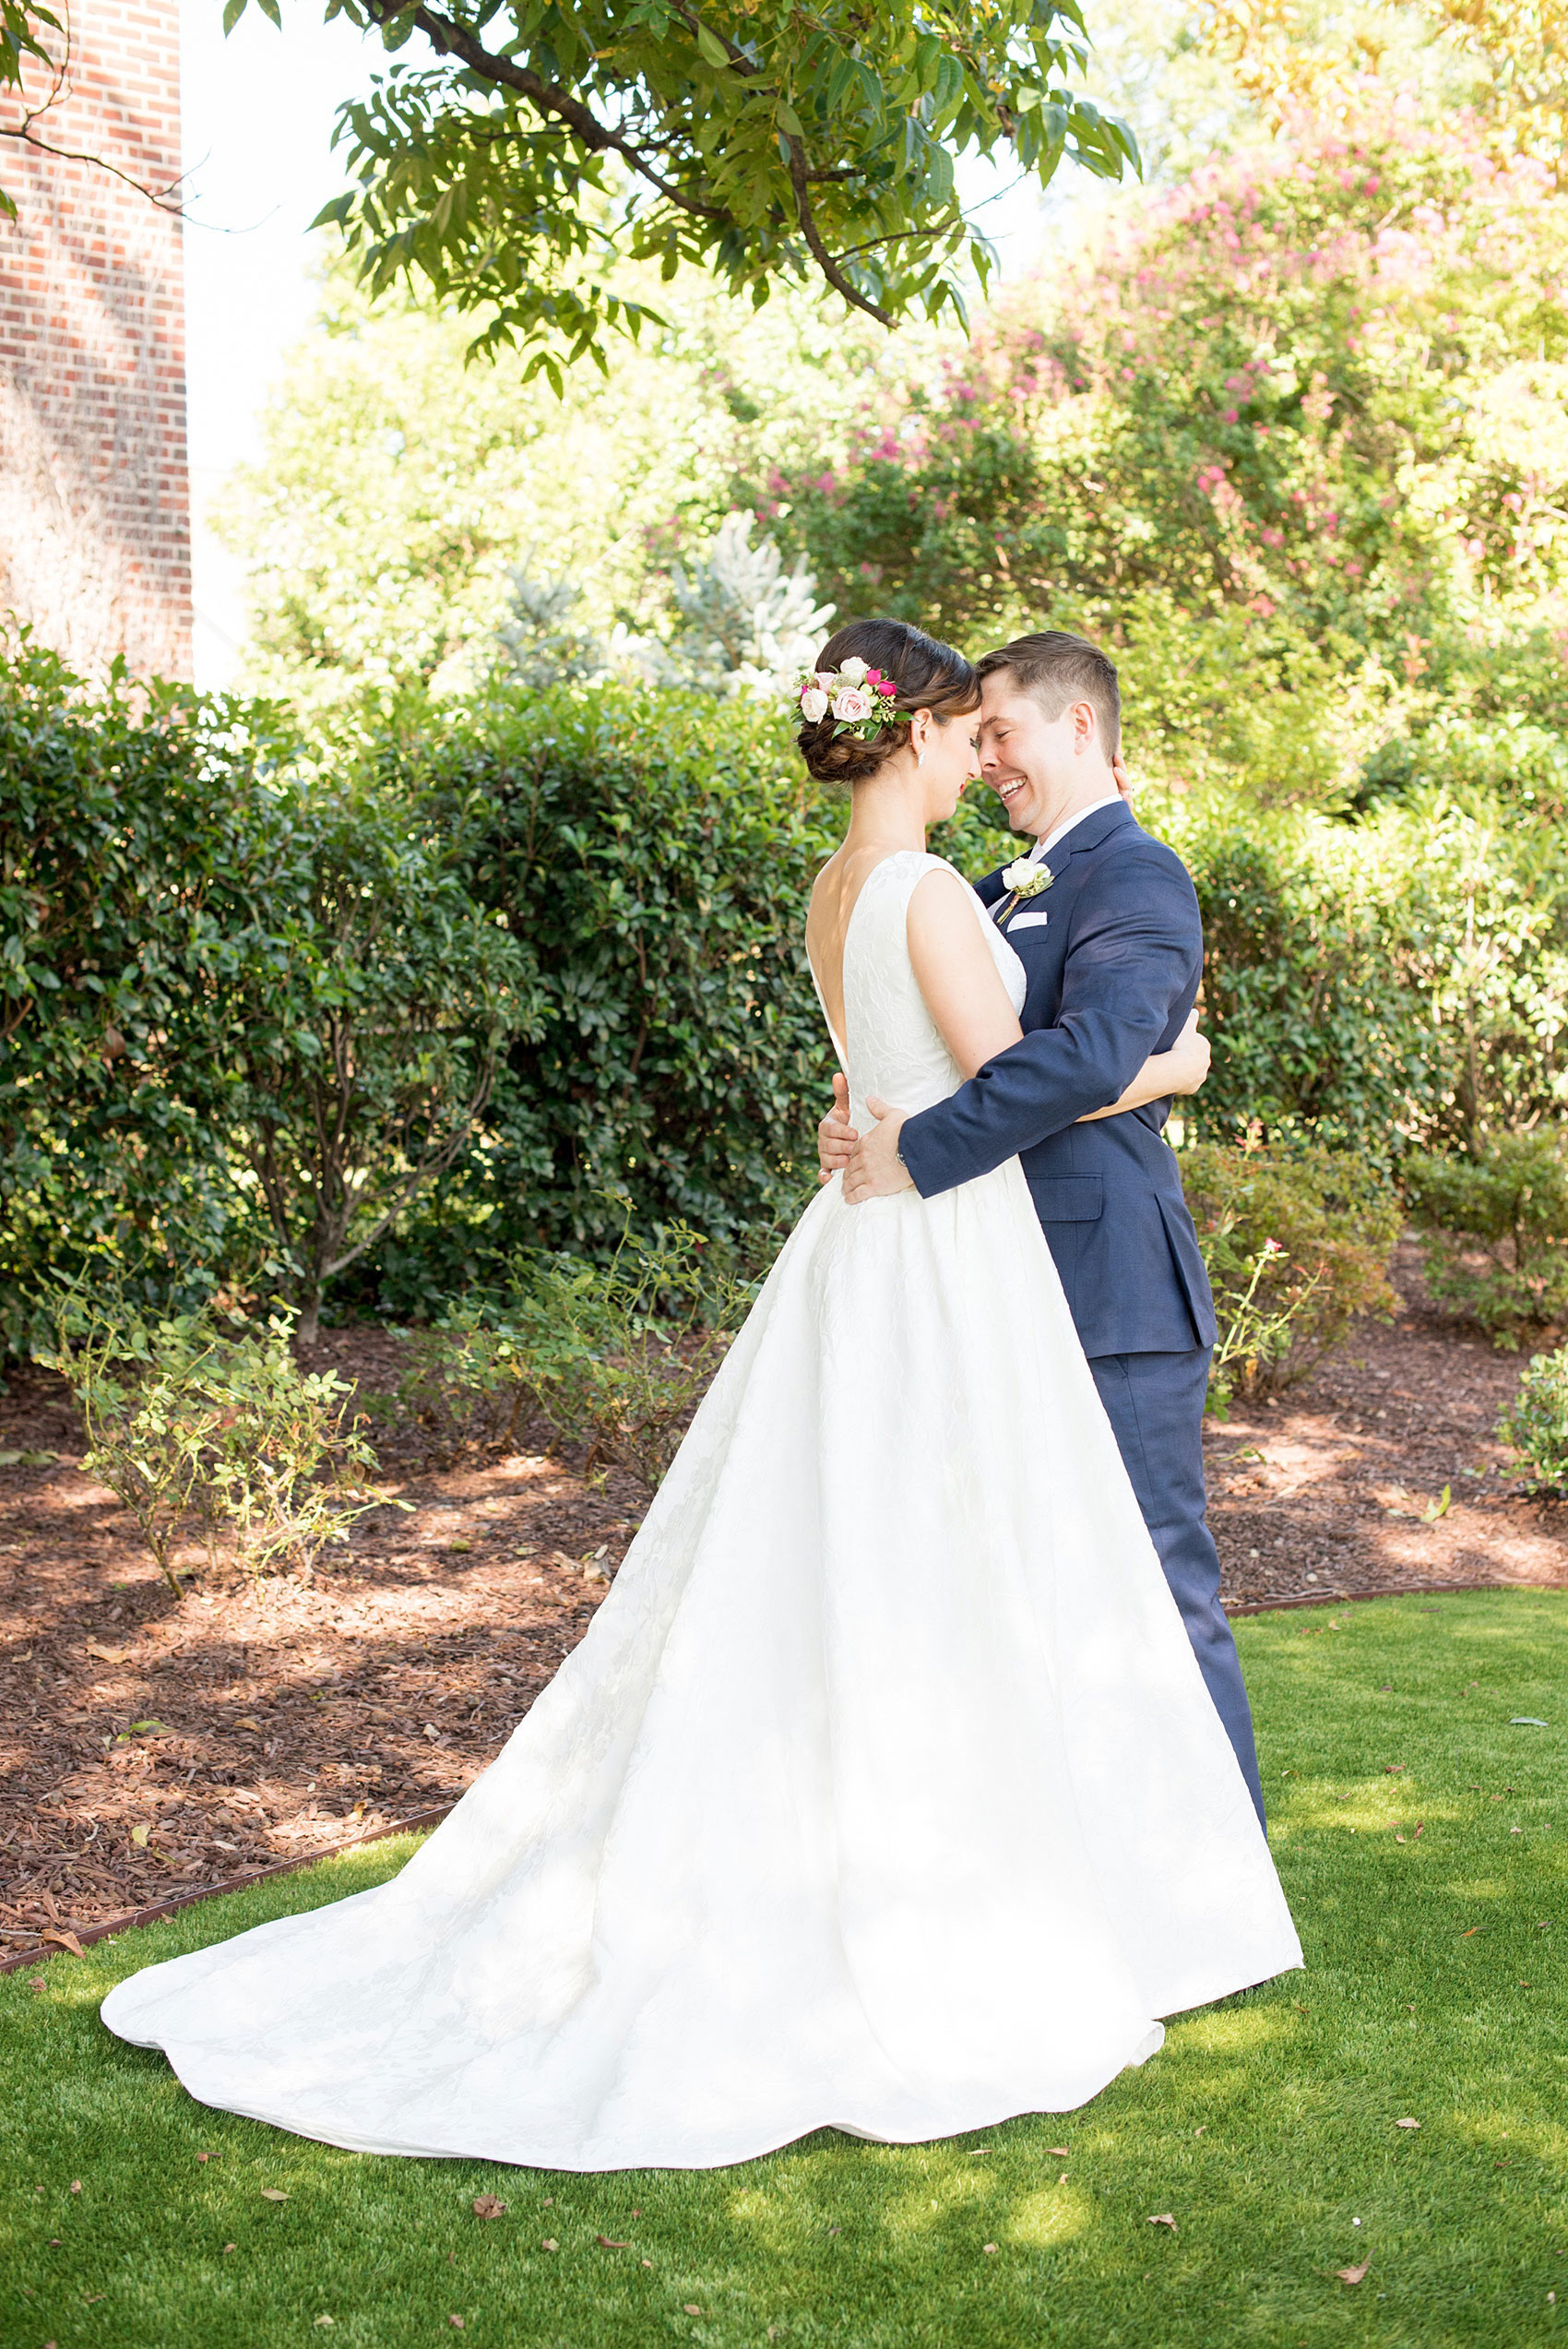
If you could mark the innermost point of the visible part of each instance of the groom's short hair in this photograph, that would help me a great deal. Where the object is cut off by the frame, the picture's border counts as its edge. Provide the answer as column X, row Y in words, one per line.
column 1058, row 668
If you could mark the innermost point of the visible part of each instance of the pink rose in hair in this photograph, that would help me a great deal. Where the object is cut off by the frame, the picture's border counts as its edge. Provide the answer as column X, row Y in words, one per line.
column 852, row 707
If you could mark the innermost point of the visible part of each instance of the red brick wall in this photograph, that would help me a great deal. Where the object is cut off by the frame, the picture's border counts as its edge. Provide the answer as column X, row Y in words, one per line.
column 94, row 495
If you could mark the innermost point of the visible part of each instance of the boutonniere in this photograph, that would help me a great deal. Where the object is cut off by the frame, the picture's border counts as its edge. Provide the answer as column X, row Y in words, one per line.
column 1026, row 877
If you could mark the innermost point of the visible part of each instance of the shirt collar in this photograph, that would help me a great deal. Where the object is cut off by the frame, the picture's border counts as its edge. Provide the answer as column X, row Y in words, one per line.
column 1042, row 849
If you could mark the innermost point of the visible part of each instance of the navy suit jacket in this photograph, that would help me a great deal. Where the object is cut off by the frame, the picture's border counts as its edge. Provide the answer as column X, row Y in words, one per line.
column 1113, row 973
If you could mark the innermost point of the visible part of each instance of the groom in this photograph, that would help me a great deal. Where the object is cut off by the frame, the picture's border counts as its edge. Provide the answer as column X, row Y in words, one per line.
column 1107, row 927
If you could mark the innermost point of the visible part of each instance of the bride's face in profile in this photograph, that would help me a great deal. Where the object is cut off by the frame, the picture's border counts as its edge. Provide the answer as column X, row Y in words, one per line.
column 946, row 752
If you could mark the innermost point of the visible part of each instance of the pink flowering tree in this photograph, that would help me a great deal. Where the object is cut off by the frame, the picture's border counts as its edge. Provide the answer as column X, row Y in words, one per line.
column 1322, row 389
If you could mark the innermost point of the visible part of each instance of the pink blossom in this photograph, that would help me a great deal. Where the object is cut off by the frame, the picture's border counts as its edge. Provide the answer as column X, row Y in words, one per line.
column 850, row 706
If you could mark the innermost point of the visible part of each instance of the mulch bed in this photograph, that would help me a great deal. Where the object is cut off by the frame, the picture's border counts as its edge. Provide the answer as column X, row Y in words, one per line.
column 150, row 1747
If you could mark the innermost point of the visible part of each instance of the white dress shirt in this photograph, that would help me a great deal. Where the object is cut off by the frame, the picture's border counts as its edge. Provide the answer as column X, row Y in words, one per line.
column 1042, row 849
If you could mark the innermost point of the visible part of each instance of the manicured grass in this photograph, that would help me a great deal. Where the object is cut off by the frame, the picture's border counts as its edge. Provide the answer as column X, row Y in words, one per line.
column 1267, row 2127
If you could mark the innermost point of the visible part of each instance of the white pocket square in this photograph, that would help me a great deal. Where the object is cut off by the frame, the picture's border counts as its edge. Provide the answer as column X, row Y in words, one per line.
column 1027, row 922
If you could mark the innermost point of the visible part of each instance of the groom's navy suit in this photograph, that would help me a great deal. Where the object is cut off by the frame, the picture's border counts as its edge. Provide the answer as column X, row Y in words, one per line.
column 1114, row 954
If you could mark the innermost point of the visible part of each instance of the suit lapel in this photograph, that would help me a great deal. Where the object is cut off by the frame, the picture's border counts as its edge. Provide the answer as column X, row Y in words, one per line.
column 1089, row 832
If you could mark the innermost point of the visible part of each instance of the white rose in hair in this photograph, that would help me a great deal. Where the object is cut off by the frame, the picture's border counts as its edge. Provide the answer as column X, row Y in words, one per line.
column 852, row 707
column 813, row 704
column 853, row 672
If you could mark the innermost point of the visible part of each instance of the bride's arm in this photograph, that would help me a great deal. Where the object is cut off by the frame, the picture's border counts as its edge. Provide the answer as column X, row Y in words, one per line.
column 1182, row 1069
column 956, row 972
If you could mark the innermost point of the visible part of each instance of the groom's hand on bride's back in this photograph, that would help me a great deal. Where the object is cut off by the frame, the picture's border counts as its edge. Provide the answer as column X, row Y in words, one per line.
column 836, row 1137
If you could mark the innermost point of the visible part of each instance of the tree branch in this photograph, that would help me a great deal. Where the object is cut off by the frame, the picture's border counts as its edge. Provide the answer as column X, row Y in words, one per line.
column 455, row 39
column 158, row 198
column 815, row 244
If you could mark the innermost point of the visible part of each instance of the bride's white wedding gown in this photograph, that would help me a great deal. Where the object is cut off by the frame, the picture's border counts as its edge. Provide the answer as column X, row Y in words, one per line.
column 883, row 1792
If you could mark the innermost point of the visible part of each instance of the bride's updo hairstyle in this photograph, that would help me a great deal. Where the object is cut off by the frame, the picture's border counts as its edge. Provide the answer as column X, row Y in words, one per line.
column 928, row 676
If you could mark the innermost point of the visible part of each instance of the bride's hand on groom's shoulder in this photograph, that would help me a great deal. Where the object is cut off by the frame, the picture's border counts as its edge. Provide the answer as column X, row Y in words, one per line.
column 836, row 1137
column 875, row 1170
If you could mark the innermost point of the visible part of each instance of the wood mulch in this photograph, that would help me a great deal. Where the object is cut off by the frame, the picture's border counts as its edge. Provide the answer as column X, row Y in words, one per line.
column 152, row 1746
column 1337, row 1487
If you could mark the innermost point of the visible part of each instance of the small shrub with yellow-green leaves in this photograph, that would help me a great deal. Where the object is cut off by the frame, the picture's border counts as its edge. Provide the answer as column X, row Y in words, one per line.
column 1495, row 1231
column 1297, row 1240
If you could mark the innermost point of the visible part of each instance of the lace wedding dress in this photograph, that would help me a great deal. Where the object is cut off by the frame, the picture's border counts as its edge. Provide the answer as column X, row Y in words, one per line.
column 883, row 1792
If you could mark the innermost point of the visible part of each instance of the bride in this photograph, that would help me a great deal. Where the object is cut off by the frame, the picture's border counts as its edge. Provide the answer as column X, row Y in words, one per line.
column 885, row 1792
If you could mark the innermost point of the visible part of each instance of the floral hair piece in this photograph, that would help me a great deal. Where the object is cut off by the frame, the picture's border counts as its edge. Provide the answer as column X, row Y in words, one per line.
column 861, row 700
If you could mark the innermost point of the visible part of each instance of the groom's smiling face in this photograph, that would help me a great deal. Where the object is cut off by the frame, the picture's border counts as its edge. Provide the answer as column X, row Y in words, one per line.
column 1035, row 765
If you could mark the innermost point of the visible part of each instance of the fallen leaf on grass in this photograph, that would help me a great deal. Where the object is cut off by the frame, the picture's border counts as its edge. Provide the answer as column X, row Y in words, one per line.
column 489, row 2206
column 1398, row 1839
column 610, row 2243
column 230, row 2246
column 75, row 2185
column 207, row 2157
column 691, row 2308
column 456, row 2323
column 64, row 1939
column 1406, row 2123
column 1161, row 2218
column 1524, row 1721
column 550, row 2244
column 988, row 2247
column 1353, row 2275
column 323, row 2321
column 91, row 2299
column 273, row 2194
column 1060, row 2152
column 1469, row 1929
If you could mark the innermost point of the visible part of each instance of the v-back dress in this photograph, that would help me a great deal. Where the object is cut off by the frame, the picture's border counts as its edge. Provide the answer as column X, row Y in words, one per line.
column 884, row 1793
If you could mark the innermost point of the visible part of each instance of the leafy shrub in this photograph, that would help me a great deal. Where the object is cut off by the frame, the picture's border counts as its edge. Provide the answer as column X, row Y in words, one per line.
column 1497, row 1233
column 1536, row 1423
column 615, row 1355
column 1295, row 1242
column 469, row 1380
column 126, row 818
column 365, row 1022
column 656, row 857
column 249, row 1011
column 190, row 1429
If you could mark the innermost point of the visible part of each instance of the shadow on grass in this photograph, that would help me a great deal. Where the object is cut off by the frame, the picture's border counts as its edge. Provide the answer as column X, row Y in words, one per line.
column 1268, row 2129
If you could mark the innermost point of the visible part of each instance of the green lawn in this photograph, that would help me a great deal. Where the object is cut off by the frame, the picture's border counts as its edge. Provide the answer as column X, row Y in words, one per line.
column 1267, row 2127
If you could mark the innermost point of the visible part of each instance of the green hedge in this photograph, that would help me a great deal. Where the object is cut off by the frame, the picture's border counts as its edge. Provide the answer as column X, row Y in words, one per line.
column 654, row 853
column 198, row 914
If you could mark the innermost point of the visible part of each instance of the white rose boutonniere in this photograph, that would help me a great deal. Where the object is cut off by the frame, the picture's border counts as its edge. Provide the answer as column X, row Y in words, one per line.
column 1024, row 878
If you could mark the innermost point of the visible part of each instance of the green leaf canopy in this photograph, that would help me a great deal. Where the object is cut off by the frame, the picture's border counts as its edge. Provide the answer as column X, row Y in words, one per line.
column 759, row 139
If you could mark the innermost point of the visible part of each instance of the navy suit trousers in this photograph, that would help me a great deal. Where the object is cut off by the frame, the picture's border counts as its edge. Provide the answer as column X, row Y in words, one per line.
column 1154, row 1404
